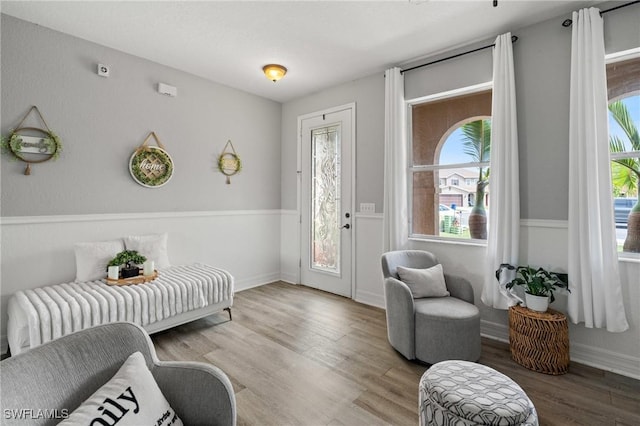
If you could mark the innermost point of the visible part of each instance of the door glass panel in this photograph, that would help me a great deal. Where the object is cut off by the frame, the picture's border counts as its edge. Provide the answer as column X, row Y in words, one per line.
column 325, row 199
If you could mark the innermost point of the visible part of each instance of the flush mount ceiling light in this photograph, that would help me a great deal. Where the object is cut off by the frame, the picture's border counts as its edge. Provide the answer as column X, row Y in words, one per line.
column 274, row 72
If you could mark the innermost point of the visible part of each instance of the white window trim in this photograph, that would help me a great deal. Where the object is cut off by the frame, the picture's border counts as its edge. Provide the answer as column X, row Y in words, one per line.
column 621, row 56
column 612, row 58
column 411, row 168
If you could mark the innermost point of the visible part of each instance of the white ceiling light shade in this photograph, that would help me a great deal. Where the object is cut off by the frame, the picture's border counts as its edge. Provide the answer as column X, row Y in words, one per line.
column 274, row 72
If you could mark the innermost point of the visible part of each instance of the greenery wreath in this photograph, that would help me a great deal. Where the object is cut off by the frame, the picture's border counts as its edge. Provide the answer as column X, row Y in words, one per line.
column 136, row 170
column 227, row 158
column 13, row 144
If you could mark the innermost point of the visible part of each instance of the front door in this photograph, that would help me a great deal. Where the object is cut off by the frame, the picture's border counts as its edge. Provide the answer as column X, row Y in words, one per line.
column 326, row 215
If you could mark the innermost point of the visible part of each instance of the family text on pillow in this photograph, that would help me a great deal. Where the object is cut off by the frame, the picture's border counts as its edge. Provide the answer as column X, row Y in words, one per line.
column 130, row 398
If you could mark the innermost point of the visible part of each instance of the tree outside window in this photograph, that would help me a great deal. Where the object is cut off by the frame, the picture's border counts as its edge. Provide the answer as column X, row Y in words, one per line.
column 624, row 145
column 449, row 160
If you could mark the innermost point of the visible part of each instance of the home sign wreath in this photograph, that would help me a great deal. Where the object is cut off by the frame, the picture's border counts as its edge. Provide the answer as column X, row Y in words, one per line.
column 229, row 162
column 32, row 144
column 151, row 166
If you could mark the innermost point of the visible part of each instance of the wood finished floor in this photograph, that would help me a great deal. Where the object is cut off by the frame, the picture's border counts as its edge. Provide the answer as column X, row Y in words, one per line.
column 298, row 356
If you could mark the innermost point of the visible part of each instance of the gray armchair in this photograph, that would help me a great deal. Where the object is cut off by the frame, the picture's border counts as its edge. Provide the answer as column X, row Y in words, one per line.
column 429, row 329
column 63, row 373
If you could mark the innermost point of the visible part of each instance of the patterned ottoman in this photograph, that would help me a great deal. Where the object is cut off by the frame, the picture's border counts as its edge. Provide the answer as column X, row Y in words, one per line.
column 463, row 393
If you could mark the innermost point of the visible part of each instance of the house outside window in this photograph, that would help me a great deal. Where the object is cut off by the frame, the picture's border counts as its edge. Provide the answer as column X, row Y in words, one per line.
column 443, row 173
column 624, row 143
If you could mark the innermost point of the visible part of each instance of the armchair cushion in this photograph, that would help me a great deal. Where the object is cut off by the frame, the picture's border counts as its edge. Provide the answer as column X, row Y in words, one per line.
column 427, row 282
column 132, row 396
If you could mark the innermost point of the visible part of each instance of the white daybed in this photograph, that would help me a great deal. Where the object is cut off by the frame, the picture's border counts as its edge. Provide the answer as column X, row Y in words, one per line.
column 180, row 294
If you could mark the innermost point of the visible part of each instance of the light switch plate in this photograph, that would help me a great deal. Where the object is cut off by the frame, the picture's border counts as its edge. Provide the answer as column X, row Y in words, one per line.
column 367, row 207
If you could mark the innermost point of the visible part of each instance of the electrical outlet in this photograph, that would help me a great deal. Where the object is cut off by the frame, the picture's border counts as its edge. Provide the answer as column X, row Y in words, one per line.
column 367, row 207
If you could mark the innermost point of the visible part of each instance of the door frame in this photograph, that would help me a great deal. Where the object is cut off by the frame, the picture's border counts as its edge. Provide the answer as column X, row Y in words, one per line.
column 352, row 107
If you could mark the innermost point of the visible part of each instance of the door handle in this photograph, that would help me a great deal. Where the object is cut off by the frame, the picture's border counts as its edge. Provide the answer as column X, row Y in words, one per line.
column 347, row 226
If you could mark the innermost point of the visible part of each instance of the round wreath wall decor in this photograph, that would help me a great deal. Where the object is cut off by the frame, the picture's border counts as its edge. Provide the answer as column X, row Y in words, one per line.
column 229, row 162
column 151, row 166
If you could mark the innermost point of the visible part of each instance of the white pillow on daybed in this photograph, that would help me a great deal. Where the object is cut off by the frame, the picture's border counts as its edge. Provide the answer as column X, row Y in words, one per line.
column 92, row 258
column 153, row 247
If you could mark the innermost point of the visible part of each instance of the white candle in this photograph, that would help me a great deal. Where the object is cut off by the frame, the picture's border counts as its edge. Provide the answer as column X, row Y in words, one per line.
column 113, row 272
column 148, row 267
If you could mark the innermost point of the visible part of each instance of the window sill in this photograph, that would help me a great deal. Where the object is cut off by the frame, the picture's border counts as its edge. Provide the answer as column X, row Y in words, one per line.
column 622, row 257
column 452, row 241
column 629, row 257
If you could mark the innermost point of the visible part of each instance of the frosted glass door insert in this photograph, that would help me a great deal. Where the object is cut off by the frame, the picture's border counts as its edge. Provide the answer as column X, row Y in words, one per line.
column 325, row 199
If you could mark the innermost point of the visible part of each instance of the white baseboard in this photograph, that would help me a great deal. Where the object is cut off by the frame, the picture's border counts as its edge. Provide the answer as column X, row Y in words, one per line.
column 494, row 331
column 369, row 298
column 256, row 281
column 602, row 359
column 606, row 360
column 289, row 277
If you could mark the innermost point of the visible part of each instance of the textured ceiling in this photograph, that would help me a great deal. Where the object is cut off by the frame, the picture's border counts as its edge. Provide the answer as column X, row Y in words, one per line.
column 322, row 43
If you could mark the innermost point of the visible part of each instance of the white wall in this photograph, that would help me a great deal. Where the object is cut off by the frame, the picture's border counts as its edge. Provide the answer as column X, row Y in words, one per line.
column 290, row 246
column 542, row 64
column 101, row 121
column 88, row 194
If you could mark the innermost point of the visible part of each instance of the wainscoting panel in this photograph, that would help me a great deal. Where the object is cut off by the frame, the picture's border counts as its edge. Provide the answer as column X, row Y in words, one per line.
column 258, row 247
column 368, row 241
column 38, row 250
column 290, row 246
column 542, row 243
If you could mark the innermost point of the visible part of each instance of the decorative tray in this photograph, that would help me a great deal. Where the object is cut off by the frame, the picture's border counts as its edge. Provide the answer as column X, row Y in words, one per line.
column 140, row 279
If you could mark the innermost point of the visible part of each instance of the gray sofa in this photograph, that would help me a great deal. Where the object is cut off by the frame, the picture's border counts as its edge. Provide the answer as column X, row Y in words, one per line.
column 429, row 329
column 62, row 374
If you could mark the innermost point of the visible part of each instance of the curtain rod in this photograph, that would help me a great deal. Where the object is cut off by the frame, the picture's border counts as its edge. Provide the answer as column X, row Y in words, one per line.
column 513, row 40
column 568, row 22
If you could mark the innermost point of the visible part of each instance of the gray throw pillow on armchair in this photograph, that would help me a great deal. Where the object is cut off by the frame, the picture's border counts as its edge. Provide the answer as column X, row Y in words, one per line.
column 424, row 282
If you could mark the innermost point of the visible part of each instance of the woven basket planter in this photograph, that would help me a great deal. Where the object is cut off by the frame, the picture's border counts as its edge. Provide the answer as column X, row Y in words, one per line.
column 539, row 341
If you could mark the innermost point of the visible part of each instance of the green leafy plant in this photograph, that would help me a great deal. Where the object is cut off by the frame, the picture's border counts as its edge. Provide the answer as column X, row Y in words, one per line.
column 128, row 258
column 626, row 171
column 537, row 282
column 477, row 145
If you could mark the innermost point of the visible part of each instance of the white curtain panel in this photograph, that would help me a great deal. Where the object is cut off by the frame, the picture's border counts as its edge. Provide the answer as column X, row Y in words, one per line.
column 504, row 210
column 594, row 279
column 395, row 220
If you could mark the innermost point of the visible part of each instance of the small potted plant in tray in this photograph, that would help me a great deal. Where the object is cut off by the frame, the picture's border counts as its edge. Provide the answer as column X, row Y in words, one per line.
column 131, row 260
column 539, row 286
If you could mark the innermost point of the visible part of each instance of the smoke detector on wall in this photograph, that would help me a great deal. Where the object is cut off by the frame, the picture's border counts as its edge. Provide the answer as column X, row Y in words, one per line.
column 103, row 70
column 168, row 90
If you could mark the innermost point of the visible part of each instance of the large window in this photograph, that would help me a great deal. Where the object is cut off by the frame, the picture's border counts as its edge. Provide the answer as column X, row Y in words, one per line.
column 624, row 121
column 450, row 145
